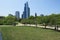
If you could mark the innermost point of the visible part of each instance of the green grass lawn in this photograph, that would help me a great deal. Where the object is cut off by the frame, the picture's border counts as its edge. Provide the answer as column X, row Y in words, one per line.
column 28, row 33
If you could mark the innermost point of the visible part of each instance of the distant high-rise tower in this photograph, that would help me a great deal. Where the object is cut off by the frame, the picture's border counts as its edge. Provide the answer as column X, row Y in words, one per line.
column 17, row 14
column 26, row 12
column 35, row 14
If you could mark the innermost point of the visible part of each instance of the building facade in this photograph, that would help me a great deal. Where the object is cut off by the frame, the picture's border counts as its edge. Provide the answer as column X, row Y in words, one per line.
column 17, row 15
column 26, row 12
column 35, row 14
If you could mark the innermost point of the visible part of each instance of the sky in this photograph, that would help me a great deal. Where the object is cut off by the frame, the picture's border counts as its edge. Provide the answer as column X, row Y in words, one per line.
column 45, row 7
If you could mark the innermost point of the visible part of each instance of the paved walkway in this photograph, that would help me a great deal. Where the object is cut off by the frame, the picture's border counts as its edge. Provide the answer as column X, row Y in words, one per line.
column 37, row 26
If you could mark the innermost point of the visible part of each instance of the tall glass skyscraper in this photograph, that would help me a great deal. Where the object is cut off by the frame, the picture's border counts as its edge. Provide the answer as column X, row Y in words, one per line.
column 17, row 14
column 26, row 12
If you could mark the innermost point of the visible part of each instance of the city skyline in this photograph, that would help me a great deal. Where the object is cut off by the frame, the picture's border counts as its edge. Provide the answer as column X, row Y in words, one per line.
column 26, row 12
column 45, row 7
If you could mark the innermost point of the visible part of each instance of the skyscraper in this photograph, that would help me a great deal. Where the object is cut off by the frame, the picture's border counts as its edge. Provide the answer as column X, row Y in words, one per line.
column 26, row 12
column 17, row 14
column 35, row 14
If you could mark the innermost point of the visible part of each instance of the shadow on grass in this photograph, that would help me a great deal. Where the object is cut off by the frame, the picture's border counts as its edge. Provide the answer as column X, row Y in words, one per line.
column 48, row 28
column 57, row 30
column 51, row 29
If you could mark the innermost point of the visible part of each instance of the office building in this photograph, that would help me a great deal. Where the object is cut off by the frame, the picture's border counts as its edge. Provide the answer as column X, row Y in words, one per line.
column 26, row 12
column 35, row 14
column 17, row 14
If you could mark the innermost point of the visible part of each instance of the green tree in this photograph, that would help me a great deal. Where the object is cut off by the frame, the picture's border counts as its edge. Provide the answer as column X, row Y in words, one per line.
column 9, row 20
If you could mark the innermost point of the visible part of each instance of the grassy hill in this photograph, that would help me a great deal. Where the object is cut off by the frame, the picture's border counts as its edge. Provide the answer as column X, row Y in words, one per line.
column 28, row 33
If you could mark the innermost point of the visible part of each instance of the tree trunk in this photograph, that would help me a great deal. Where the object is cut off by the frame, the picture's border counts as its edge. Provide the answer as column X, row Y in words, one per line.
column 36, row 25
column 57, row 27
column 45, row 26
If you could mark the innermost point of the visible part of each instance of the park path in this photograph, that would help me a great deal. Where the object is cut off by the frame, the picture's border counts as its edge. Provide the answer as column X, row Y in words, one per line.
column 49, row 27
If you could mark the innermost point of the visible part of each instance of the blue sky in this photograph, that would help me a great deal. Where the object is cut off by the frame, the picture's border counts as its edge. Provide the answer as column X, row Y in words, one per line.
column 45, row 7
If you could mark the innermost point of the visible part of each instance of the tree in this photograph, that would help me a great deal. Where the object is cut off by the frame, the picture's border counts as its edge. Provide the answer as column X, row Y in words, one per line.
column 54, row 18
column 2, row 20
column 36, row 19
column 46, row 20
column 9, row 20
column 32, row 19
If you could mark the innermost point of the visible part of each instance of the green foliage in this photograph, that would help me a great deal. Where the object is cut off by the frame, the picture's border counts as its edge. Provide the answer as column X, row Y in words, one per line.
column 2, row 20
column 53, row 19
column 30, row 20
column 31, row 17
column 9, row 20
